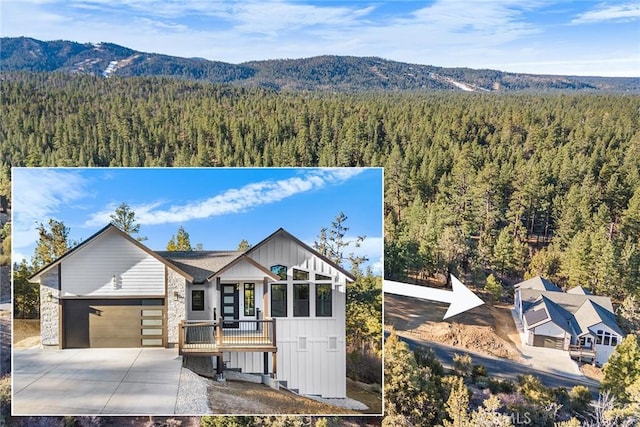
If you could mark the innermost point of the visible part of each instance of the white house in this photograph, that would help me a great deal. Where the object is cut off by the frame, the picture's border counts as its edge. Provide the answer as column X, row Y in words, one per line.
column 575, row 320
column 276, row 309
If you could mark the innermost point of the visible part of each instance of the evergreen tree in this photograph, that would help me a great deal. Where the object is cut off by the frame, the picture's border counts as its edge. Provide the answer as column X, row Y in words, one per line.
column 244, row 245
column 623, row 369
column 180, row 242
column 125, row 219
column 409, row 390
column 53, row 242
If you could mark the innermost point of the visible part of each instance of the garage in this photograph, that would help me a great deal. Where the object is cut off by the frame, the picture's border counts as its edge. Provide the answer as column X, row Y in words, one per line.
column 104, row 323
column 548, row 342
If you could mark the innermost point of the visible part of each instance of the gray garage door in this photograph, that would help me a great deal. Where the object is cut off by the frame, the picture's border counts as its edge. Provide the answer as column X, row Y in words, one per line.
column 113, row 323
column 549, row 342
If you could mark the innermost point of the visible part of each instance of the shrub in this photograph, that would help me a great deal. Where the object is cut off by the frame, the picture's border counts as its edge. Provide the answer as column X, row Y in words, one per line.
column 366, row 367
column 462, row 364
column 580, row 399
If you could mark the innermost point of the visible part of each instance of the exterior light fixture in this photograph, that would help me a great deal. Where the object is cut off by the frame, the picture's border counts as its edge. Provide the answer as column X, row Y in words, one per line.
column 49, row 296
column 114, row 282
column 176, row 295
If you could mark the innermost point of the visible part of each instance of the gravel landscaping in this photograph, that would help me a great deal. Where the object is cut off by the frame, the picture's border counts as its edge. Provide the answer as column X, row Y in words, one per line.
column 192, row 394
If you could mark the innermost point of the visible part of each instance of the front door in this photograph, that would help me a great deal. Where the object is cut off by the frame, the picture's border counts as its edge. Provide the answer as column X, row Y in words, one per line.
column 230, row 305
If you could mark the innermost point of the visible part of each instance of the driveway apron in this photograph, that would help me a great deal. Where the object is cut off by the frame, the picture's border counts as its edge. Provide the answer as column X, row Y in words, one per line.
column 96, row 381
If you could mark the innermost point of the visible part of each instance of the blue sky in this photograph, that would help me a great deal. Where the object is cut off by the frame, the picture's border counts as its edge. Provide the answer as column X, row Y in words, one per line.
column 218, row 207
column 599, row 37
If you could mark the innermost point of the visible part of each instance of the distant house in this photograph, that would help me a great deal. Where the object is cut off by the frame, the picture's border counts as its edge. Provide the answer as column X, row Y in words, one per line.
column 276, row 310
column 575, row 320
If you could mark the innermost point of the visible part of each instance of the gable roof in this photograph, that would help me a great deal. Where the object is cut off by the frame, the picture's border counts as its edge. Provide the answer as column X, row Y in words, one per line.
column 245, row 258
column 575, row 310
column 544, row 310
column 591, row 313
column 579, row 290
column 281, row 231
column 538, row 283
column 110, row 228
column 195, row 266
column 200, row 264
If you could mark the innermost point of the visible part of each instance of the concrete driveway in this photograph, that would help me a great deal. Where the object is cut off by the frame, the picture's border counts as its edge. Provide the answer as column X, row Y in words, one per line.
column 96, row 381
column 557, row 362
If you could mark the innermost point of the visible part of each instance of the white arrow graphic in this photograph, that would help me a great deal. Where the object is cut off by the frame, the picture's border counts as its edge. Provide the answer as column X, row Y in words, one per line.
column 460, row 298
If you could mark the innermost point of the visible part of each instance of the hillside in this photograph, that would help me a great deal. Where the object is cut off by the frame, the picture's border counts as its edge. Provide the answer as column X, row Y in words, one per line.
column 321, row 73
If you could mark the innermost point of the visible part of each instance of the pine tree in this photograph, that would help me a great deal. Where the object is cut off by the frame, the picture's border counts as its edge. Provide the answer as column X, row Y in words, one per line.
column 244, row 245
column 622, row 369
column 53, row 242
column 180, row 242
column 125, row 219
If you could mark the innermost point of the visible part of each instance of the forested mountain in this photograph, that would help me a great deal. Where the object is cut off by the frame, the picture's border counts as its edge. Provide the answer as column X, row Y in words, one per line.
column 322, row 73
column 517, row 184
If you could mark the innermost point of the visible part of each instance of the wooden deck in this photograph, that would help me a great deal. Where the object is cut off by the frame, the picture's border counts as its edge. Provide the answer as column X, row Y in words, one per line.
column 580, row 353
column 211, row 338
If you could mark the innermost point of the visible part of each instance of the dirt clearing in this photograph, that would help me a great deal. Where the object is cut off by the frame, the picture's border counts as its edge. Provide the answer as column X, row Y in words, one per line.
column 241, row 397
column 26, row 333
column 486, row 329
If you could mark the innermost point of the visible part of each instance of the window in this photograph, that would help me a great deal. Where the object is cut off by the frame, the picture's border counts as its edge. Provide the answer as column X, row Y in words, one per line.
column 300, row 274
column 278, row 300
column 323, row 301
column 280, row 270
column 320, row 277
column 614, row 340
column 607, row 338
column 197, row 300
column 301, row 300
column 249, row 299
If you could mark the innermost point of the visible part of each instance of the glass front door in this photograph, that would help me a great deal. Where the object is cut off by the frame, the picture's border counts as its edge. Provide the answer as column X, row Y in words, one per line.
column 230, row 305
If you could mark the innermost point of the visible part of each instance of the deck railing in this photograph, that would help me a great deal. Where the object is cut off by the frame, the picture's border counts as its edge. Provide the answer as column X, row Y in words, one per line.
column 217, row 336
column 579, row 352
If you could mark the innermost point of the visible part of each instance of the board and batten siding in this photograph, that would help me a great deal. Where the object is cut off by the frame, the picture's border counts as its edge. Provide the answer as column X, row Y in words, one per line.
column 282, row 250
column 603, row 352
column 311, row 357
column 89, row 271
column 311, row 350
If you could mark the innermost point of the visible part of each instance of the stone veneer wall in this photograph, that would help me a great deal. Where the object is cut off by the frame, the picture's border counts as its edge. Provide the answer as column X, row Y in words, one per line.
column 175, row 306
column 49, row 310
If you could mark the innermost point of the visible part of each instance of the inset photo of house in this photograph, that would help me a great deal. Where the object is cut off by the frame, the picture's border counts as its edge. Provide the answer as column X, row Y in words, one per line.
column 197, row 291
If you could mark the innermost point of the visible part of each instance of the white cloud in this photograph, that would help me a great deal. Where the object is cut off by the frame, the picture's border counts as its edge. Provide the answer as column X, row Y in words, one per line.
column 617, row 12
column 234, row 200
column 39, row 194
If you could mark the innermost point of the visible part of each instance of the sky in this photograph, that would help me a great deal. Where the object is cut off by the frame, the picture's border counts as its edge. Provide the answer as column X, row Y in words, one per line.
column 218, row 207
column 584, row 37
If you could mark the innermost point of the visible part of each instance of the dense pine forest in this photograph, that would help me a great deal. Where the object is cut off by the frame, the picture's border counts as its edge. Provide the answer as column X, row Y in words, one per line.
column 512, row 185
column 517, row 185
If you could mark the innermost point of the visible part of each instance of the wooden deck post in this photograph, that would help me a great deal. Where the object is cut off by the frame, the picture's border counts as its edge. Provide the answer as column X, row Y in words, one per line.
column 274, row 371
column 273, row 325
column 219, row 337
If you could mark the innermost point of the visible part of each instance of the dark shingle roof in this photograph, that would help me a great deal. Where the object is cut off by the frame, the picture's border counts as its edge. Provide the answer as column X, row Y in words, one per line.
column 199, row 264
column 538, row 283
column 576, row 310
